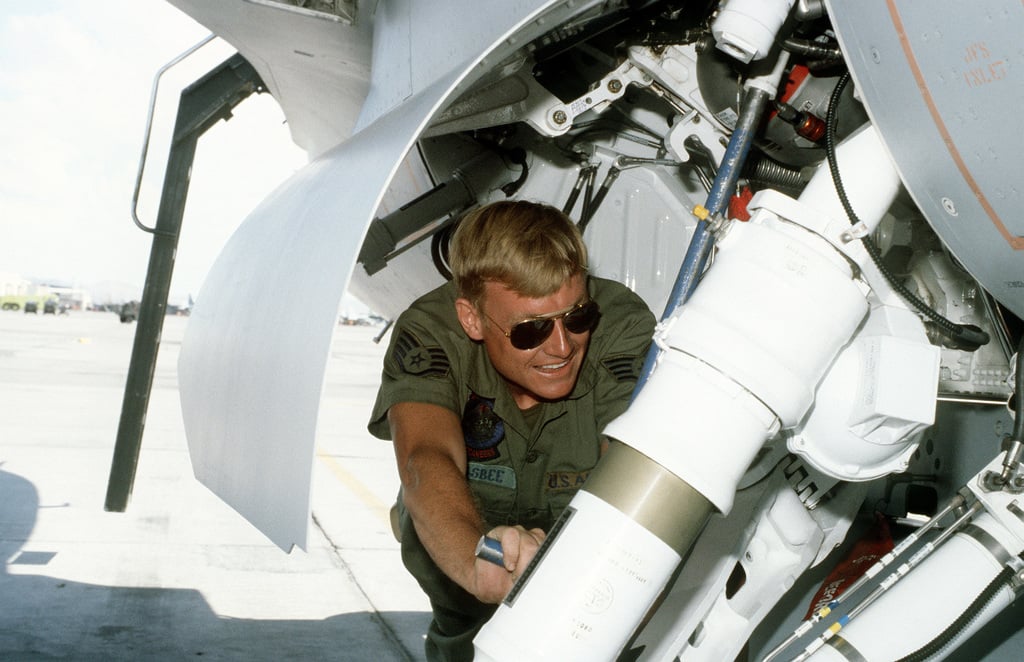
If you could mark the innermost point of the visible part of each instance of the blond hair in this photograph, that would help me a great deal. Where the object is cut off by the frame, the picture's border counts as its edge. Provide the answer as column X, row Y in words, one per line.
column 529, row 247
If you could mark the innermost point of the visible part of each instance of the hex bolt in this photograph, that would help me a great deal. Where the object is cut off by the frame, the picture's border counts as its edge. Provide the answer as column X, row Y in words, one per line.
column 614, row 86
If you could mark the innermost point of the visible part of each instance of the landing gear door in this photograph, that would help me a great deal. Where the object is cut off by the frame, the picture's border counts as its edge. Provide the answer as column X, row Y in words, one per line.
column 253, row 359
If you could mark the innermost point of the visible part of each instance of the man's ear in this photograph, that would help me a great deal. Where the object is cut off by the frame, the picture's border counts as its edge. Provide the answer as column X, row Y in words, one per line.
column 470, row 318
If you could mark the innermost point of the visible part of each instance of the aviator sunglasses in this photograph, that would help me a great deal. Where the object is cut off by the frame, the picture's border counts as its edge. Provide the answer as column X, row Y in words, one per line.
column 531, row 333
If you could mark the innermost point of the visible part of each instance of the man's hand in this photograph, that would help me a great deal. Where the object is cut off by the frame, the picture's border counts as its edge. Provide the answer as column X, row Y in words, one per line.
column 431, row 454
column 491, row 583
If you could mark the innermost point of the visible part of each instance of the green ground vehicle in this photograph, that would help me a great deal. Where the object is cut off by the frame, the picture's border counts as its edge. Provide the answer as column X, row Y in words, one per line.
column 30, row 304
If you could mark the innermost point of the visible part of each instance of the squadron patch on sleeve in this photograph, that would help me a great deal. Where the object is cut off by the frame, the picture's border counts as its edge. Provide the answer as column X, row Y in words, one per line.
column 415, row 358
column 624, row 367
column 482, row 429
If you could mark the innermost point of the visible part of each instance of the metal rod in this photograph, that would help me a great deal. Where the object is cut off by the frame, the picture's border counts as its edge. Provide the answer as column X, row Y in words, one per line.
column 915, row 560
column 877, row 567
column 149, row 129
column 699, row 249
column 754, row 105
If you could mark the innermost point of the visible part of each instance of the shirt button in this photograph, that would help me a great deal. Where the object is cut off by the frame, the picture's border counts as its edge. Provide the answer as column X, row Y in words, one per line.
column 532, row 456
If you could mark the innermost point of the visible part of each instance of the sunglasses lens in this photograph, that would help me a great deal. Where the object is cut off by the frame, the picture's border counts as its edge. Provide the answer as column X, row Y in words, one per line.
column 583, row 318
column 529, row 334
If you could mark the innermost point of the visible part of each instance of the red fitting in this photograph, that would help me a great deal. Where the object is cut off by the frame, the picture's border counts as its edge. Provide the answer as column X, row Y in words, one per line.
column 738, row 204
column 810, row 127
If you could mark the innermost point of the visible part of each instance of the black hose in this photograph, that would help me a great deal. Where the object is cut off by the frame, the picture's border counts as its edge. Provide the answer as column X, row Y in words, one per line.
column 588, row 193
column 964, row 620
column 965, row 335
column 440, row 245
column 819, row 57
column 516, row 155
column 576, row 188
column 591, row 208
column 812, row 49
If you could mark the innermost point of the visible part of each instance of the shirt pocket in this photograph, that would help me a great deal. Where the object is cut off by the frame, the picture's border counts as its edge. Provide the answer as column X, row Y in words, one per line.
column 495, row 486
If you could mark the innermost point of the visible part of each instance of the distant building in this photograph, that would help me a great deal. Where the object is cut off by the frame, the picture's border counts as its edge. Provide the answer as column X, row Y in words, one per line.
column 73, row 298
column 13, row 285
column 15, row 291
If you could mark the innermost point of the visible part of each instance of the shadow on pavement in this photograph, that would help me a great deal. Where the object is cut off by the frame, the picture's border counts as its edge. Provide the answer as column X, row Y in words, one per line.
column 48, row 618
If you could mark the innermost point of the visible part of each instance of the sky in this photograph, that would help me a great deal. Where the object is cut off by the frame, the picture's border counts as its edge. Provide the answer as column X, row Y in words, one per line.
column 75, row 83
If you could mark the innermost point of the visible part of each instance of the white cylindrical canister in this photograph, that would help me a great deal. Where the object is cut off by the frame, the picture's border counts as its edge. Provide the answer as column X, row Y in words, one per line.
column 746, row 29
column 593, row 587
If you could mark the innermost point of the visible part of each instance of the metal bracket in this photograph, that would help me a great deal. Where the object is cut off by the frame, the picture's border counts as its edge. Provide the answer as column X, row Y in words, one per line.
column 559, row 118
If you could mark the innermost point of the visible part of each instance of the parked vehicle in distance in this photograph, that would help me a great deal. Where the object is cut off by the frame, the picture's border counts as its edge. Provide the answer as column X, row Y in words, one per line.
column 129, row 312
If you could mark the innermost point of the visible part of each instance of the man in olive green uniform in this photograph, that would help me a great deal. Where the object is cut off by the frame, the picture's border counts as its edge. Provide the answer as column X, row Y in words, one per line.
column 495, row 390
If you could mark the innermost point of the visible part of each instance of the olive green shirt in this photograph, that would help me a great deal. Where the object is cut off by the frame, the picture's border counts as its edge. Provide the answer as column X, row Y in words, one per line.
column 524, row 467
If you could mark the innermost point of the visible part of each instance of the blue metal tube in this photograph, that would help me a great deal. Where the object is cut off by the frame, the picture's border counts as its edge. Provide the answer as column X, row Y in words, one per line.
column 718, row 198
column 754, row 103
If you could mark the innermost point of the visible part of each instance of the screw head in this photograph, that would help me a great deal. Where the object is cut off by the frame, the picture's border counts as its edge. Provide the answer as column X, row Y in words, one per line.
column 949, row 206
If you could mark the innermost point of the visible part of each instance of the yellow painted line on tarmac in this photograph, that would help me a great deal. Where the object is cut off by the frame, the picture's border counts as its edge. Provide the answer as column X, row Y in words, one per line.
column 369, row 499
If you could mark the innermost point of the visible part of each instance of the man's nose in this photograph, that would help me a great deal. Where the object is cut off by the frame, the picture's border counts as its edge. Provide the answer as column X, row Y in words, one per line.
column 558, row 343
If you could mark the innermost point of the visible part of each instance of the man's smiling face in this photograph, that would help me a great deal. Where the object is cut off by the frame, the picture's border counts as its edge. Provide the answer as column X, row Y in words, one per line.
column 546, row 372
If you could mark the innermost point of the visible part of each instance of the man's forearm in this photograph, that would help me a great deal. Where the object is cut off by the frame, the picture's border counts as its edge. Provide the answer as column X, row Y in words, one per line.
column 441, row 506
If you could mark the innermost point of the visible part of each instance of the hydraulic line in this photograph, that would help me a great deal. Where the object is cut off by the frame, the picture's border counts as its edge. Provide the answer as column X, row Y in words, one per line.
column 968, row 334
column 820, row 56
column 518, row 157
column 591, row 209
column 1009, row 478
column 887, row 583
column 754, row 104
column 879, row 565
column 588, row 194
column 586, row 172
column 702, row 161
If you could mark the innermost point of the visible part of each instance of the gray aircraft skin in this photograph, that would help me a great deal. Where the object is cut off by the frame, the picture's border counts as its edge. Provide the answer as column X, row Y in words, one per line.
column 818, row 198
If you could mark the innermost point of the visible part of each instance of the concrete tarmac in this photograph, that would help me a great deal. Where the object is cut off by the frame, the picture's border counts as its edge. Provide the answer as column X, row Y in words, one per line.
column 180, row 575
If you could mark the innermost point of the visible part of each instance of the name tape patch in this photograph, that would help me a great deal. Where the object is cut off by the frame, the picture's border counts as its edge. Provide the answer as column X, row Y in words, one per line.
column 492, row 475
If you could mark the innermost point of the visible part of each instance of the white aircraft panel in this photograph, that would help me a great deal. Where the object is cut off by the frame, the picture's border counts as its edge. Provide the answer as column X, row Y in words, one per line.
column 423, row 39
column 252, row 361
column 299, row 57
column 940, row 81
